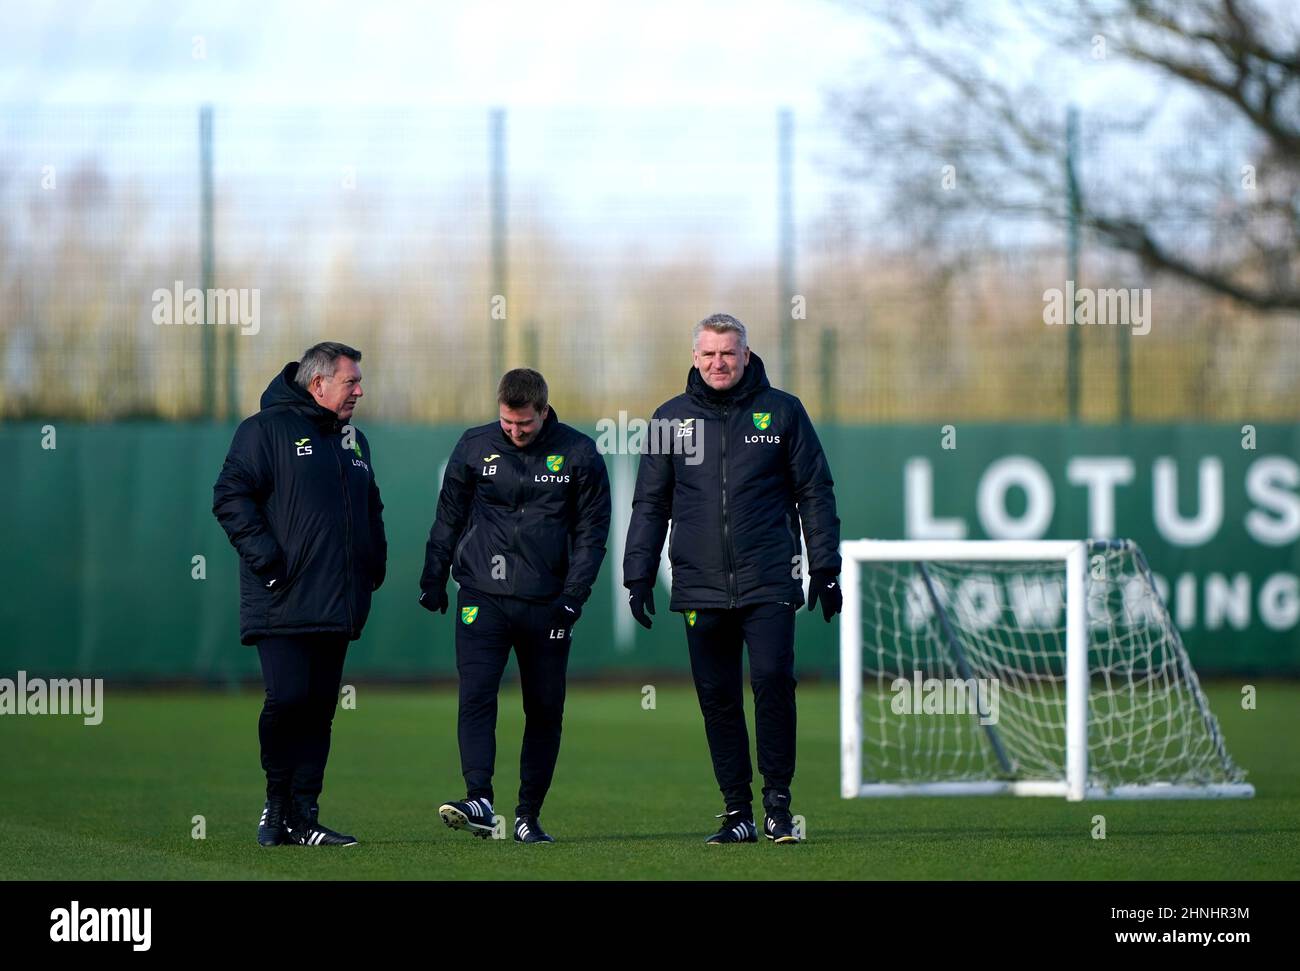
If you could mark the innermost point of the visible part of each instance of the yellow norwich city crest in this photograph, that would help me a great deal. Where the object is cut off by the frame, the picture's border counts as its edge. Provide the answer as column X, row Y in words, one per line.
column 762, row 420
column 690, row 618
column 555, row 462
column 468, row 614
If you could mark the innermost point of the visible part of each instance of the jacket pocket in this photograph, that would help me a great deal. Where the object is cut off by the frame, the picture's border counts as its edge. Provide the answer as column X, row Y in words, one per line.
column 280, row 614
column 297, row 561
column 796, row 549
column 559, row 554
column 460, row 547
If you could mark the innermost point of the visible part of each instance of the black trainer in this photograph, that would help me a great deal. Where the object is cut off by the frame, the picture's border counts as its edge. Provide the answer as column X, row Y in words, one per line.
column 738, row 828
column 529, row 830
column 778, row 826
column 314, row 834
column 305, row 830
column 474, row 815
column 271, row 828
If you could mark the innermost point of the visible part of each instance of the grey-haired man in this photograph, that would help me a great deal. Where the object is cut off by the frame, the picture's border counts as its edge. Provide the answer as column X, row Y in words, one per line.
column 736, row 506
column 298, row 499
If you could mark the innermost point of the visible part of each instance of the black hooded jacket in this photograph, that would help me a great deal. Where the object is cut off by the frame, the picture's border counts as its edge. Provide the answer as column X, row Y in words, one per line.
column 736, row 504
column 297, row 503
column 525, row 522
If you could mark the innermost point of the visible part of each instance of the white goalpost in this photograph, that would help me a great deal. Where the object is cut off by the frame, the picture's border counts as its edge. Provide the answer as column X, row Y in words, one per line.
column 1034, row 668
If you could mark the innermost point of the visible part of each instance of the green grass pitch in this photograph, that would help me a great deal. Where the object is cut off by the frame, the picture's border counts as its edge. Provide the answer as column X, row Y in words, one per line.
column 633, row 799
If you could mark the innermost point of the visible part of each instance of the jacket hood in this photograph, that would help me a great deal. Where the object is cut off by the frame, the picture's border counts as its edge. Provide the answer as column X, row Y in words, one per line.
column 751, row 383
column 284, row 391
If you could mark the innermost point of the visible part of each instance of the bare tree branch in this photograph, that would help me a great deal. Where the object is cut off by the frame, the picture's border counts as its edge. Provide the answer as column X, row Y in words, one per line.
column 1206, row 218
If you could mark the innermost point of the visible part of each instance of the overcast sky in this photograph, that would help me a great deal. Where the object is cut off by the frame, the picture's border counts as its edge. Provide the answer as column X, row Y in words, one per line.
column 660, row 61
column 518, row 52
column 659, row 114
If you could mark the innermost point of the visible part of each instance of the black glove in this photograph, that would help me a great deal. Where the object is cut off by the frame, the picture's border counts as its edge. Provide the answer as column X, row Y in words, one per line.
column 823, row 585
column 435, row 601
column 641, row 598
column 564, row 614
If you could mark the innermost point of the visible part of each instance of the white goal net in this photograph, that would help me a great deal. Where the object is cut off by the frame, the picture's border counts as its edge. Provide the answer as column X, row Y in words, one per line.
column 1036, row 668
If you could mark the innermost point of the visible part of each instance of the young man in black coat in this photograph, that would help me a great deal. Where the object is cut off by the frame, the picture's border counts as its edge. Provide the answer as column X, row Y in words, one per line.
column 522, row 520
column 298, row 499
column 736, row 501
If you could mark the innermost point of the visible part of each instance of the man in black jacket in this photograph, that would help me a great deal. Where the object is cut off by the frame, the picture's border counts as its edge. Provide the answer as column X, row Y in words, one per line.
column 298, row 499
column 736, row 502
column 521, row 525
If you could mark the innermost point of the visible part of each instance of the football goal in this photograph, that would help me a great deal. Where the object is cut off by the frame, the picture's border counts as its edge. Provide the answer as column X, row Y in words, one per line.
column 1035, row 668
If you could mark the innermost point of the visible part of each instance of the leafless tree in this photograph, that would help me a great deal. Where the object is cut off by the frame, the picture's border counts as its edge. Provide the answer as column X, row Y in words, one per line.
column 1191, row 163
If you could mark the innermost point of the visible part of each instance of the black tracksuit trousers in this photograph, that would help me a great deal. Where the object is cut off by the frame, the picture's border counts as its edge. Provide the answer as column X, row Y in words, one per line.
column 716, row 639
column 302, row 675
column 482, row 647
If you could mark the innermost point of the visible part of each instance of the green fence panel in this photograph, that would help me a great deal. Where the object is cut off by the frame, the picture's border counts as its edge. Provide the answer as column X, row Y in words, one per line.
column 102, row 530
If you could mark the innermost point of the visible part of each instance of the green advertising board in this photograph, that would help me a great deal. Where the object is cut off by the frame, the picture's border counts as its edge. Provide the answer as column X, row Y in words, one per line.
column 116, row 567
